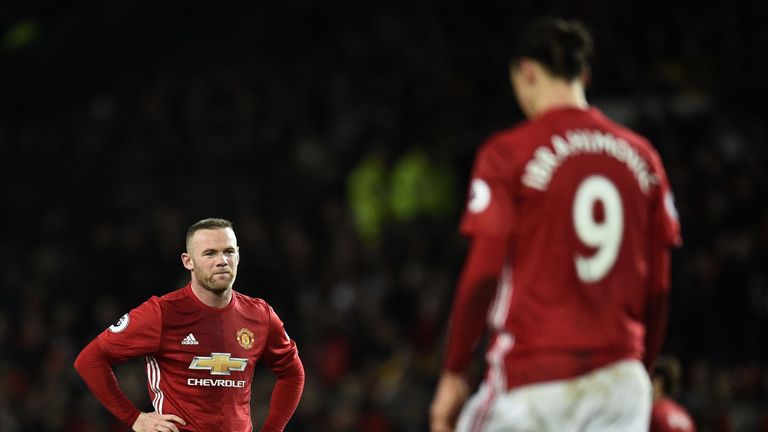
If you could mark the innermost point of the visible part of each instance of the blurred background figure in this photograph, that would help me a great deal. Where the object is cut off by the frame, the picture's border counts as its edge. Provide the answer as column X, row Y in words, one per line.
column 668, row 415
column 571, row 223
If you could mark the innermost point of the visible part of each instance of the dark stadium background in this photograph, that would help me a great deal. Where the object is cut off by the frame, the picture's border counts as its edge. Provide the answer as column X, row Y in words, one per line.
column 338, row 138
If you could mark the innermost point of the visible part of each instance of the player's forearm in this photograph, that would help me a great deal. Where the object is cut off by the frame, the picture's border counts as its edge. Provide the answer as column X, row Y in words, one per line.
column 94, row 367
column 475, row 291
column 451, row 393
column 285, row 398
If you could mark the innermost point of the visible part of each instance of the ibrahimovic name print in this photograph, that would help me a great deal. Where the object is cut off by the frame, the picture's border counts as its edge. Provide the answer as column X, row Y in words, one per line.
column 542, row 166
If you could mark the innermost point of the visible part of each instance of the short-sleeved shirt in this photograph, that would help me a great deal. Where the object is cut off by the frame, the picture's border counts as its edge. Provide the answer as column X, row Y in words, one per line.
column 581, row 201
column 199, row 359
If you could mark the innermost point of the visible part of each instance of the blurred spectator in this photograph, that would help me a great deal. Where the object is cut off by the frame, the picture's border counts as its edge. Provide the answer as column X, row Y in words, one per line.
column 667, row 415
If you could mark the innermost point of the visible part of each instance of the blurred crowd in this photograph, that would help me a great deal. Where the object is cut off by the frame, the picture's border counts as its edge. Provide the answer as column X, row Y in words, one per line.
column 287, row 124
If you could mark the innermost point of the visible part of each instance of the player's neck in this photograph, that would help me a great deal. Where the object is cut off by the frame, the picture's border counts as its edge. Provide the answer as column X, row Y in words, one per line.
column 212, row 299
column 560, row 94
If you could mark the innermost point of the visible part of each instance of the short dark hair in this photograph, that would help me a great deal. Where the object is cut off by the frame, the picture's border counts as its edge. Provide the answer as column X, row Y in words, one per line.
column 209, row 223
column 563, row 47
column 668, row 370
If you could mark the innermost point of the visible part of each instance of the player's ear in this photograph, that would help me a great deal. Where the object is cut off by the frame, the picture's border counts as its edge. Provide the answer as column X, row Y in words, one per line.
column 516, row 76
column 186, row 260
column 526, row 70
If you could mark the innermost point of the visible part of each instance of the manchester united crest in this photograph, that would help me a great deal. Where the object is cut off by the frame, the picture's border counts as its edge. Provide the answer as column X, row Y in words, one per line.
column 245, row 338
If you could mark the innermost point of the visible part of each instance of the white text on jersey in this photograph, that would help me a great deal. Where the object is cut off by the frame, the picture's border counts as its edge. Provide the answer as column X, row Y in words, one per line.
column 209, row 382
column 542, row 166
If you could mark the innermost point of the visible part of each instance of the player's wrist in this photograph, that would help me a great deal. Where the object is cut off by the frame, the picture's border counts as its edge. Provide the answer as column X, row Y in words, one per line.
column 131, row 420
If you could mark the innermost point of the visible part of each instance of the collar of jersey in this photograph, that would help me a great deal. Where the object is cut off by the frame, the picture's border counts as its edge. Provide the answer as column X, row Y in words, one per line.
column 191, row 294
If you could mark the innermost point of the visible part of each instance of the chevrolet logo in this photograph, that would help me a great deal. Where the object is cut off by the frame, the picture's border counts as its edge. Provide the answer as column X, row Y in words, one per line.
column 219, row 363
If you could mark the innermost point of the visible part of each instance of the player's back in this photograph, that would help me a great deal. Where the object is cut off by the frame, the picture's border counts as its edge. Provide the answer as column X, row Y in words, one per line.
column 582, row 192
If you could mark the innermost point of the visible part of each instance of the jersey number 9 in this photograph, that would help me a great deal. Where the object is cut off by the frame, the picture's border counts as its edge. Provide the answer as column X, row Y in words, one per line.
column 604, row 235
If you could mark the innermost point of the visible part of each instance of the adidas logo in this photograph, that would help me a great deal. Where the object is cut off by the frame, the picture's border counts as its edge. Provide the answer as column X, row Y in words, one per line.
column 190, row 340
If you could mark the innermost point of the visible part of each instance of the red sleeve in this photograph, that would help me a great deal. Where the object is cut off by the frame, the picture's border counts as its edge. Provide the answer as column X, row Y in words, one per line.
column 95, row 367
column 658, row 305
column 134, row 334
column 475, row 291
column 664, row 215
column 137, row 333
column 282, row 357
column 665, row 233
column 488, row 222
column 489, row 210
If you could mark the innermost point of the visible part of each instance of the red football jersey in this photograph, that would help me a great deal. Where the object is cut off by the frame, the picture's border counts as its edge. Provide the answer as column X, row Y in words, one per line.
column 669, row 416
column 200, row 359
column 577, row 197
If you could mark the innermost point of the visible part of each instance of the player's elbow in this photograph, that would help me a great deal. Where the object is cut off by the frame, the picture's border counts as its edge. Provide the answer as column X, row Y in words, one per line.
column 90, row 357
column 298, row 370
column 79, row 363
column 300, row 376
